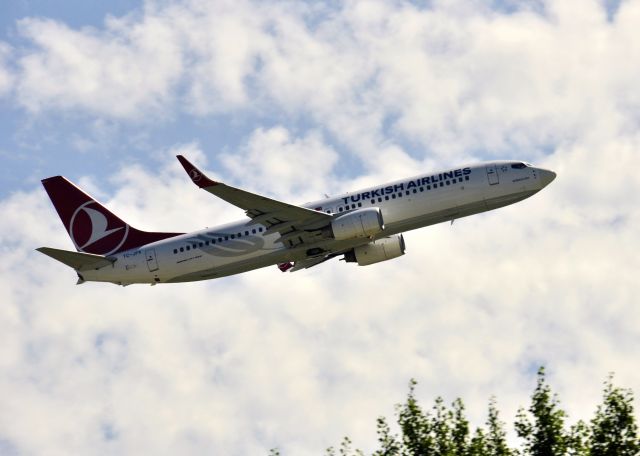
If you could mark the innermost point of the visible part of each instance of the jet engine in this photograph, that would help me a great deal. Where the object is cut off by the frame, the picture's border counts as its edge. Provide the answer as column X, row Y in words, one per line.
column 357, row 224
column 380, row 250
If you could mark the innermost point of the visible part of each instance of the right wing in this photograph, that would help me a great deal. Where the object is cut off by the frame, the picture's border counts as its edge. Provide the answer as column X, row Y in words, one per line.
column 295, row 224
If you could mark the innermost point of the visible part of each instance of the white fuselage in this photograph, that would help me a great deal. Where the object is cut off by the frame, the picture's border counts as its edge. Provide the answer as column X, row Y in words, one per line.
column 405, row 205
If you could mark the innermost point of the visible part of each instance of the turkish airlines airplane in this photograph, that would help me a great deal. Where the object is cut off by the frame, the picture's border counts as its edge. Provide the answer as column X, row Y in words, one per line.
column 364, row 226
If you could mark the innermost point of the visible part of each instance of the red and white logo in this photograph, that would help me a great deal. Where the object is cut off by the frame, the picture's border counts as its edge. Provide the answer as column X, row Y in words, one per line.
column 95, row 230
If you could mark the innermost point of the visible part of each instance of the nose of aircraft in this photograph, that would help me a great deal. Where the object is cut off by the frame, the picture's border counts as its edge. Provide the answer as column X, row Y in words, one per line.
column 546, row 176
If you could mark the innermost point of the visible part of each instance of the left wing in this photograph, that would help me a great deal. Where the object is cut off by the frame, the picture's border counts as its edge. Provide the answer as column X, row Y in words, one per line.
column 295, row 224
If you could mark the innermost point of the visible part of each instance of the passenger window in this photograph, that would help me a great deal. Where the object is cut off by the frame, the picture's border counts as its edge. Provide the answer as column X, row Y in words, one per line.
column 219, row 239
column 379, row 199
column 466, row 178
column 415, row 191
column 188, row 248
column 340, row 209
column 246, row 233
column 182, row 249
column 373, row 201
column 441, row 184
column 407, row 192
column 359, row 204
column 386, row 198
column 175, row 251
column 260, row 229
column 233, row 236
column 422, row 189
column 448, row 183
column 393, row 196
column 226, row 238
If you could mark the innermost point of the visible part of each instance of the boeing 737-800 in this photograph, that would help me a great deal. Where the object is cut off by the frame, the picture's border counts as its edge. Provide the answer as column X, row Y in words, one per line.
column 365, row 227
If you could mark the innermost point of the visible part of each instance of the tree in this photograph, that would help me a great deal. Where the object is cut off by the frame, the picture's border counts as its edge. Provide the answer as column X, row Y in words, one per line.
column 441, row 429
column 460, row 429
column 415, row 426
column 345, row 449
column 578, row 440
column 613, row 430
column 496, row 440
column 545, row 436
column 478, row 444
column 444, row 431
column 389, row 445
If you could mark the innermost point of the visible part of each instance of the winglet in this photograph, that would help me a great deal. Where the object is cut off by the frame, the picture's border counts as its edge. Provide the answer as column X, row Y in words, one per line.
column 195, row 174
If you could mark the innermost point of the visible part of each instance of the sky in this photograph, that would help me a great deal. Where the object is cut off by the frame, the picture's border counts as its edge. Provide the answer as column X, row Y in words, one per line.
column 294, row 100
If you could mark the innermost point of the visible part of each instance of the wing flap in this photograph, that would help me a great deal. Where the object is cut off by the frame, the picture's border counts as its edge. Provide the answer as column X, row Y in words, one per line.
column 76, row 260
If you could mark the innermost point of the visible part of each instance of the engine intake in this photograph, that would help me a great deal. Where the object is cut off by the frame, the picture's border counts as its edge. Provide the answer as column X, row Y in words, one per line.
column 381, row 250
column 358, row 224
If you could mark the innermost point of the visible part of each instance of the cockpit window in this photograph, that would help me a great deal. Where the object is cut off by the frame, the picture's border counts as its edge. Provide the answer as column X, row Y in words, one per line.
column 518, row 166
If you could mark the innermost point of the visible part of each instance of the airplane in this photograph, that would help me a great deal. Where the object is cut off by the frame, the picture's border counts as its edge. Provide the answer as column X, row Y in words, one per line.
column 364, row 227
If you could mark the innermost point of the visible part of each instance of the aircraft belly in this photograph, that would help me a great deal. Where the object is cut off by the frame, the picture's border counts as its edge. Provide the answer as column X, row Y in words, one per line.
column 234, row 267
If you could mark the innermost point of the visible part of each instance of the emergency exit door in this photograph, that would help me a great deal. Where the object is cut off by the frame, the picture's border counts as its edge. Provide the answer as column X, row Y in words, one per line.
column 152, row 261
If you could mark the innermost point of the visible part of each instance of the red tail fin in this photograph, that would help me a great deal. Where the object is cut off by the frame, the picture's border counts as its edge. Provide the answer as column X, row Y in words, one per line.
column 91, row 226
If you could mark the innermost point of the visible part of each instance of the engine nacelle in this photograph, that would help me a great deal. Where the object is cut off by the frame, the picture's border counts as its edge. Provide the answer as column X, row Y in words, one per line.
column 381, row 250
column 358, row 224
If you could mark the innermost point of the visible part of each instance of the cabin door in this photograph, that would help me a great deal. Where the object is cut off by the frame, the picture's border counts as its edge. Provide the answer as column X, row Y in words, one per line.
column 492, row 175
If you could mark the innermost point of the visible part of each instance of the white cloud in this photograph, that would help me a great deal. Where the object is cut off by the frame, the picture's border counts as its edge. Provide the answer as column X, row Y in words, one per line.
column 124, row 71
column 448, row 79
column 274, row 161
column 238, row 365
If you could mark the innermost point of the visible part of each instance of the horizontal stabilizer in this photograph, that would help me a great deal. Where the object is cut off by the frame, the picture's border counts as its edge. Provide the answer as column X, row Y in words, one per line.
column 76, row 260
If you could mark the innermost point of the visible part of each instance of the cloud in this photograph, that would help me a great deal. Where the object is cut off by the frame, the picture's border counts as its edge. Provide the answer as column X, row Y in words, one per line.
column 122, row 71
column 242, row 364
column 452, row 78
column 273, row 159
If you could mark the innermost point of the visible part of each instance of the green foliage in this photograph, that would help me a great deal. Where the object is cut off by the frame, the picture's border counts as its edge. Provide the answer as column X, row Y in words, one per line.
column 460, row 429
column 613, row 429
column 415, row 426
column 545, row 436
column 444, row 431
column 578, row 440
column 389, row 445
column 344, row 450
column 496, row 440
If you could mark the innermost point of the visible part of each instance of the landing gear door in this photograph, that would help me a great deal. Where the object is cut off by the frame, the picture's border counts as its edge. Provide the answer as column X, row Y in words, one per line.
column 492, row 175
column 152, row 261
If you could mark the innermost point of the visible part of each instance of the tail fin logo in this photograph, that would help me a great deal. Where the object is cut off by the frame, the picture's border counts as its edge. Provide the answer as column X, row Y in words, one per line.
column 94, row 230
column 195, row 175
